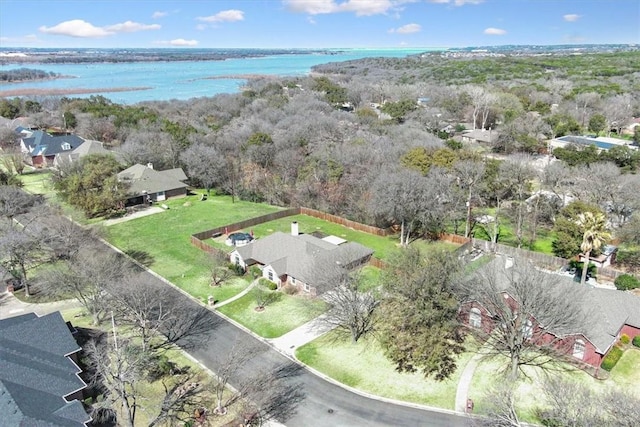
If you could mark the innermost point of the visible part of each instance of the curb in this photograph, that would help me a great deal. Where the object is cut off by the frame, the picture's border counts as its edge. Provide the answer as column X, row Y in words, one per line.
column 282, row 352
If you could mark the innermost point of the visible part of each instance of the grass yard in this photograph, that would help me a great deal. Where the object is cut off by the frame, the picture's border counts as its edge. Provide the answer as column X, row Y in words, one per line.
column 383, row 246
column 507, row 236
column 363, row 366
column 285, row 314
column 162, row 241
column 624, row 376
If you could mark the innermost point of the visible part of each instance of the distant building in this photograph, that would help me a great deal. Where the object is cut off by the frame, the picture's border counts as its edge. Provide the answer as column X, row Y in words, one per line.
column 480, row 135
column 41, row 148
column 148, row 185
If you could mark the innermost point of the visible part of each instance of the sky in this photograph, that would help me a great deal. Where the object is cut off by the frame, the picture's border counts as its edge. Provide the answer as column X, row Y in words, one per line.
column 315, row 23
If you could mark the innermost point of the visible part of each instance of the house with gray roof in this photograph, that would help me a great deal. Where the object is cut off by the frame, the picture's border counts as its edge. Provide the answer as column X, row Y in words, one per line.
column 39, row 380
column 41, row 148
column 303, row 261
column 608, row 314
column 88, row 147
column 148, row 185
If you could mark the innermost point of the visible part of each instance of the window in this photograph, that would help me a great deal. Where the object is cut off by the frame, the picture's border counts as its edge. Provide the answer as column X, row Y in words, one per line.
column 527, row 329
column 237, row 259
column 578, row 349
column 270, row 275
column 475, row 318
column 293, row 280
column 307, row 288
column 65, row 146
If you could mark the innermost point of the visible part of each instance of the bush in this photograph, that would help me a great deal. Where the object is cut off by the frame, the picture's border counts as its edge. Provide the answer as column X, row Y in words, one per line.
column 611, row 359
column 267, row 284
column 636, row 341
column 626, row 282
column 237, row 269
column 289, row 289
column 624, row 339
column 591, row 270
column 255, row 272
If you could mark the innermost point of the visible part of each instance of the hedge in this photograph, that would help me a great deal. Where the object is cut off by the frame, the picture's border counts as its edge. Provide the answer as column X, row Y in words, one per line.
column 611, row 359
column 626, row 282
column 636, row 341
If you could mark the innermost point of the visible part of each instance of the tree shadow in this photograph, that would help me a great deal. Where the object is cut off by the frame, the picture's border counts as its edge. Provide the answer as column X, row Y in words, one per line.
column 142, row 257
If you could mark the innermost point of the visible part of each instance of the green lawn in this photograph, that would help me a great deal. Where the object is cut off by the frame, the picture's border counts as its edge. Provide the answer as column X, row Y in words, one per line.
column 163, row 241
column 383, row 246
column 544, row 237
column 364, row 367
column 285, row 314
column 624, row 376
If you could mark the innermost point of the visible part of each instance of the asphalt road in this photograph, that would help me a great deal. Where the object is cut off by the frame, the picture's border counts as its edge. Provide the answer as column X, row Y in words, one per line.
column 316, row 402
column 319, row 402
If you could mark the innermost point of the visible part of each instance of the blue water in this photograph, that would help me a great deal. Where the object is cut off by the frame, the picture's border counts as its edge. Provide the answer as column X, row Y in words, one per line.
column 186, row 79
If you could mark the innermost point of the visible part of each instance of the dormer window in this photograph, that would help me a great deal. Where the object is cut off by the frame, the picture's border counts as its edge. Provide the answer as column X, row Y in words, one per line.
column 66, row 146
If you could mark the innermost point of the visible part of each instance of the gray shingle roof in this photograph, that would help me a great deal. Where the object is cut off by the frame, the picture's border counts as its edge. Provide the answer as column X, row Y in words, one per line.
column 606, row 310
column 36, row 375
column 302, row 256
column 41, row 143
column 145, row 179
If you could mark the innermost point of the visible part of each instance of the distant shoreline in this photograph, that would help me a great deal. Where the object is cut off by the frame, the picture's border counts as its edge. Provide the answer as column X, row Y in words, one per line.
column 76, row 91
column 239, row 77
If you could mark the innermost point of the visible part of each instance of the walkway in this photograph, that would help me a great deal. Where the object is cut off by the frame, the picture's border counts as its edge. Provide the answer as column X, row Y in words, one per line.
column 11, row 306
column 138, row 214
column 240, row 295
column 462, row 393
column 289, row 342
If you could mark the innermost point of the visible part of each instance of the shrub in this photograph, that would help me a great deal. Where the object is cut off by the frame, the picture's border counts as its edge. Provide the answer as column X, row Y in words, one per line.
column 611, row 359
column 624, row 339
column 236, row 268
column 636, row 341
column 268, row 284
column 255, row 272
column 626, row 282
column 289, row 290
column 591, row 270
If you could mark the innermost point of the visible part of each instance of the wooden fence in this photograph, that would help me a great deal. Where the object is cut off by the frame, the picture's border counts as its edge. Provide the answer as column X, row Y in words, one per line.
column 345, row 222
column 197, row 238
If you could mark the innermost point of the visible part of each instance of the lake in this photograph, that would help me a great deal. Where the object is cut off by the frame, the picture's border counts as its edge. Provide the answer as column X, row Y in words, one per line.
column 186, row 79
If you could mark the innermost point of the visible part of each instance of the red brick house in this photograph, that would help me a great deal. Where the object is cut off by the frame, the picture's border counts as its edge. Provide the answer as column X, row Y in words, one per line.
column 608, row 314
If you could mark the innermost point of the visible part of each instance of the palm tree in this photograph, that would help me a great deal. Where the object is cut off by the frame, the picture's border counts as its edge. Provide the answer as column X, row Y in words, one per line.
column 594, row 226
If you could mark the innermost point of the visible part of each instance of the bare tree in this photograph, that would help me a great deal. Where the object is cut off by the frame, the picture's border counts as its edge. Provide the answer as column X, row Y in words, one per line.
column 501, row 408
column 88, row 275
column 117, row 367
column 353, row 311
column 15, row 201
column 219, row 269
column 468, row 175
column 517, row 174
column 182, row 396
column 528, row 311
column 20, row 251
column 157, row 316
column 205, row 165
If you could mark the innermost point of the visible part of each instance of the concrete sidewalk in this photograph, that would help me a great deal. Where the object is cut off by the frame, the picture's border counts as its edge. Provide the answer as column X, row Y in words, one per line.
column 240, row 295
column 10, row 306
column 289, row 342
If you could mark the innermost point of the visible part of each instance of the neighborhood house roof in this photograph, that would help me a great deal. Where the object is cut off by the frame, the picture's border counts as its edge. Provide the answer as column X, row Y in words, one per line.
column 89, row 147
column 304, row 257
column 36, row 373
column 606, row 310
column 145, row 179
column 41, row 143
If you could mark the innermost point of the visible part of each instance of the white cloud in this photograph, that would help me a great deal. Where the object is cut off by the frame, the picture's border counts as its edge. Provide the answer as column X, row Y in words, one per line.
column 178, row 42
column 359, row 7
column 159, row 14
column 407, row 29
column 131, row 27
column 76, row 28
column 27, row 39
column 571, row 17
column 495, row 31
column 84, row 29
column 456, row 2
column 232, row 15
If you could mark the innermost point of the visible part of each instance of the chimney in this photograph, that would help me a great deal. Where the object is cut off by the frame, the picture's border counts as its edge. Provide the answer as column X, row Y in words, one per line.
column 508, row 262
column 150, row 165
column 294, row 228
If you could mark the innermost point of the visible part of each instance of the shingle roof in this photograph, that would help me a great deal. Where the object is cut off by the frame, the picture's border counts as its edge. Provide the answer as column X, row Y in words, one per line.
column 144, row 179
column 41, row 143
column 302, row 256
column 606, row 310
column 36, row 375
